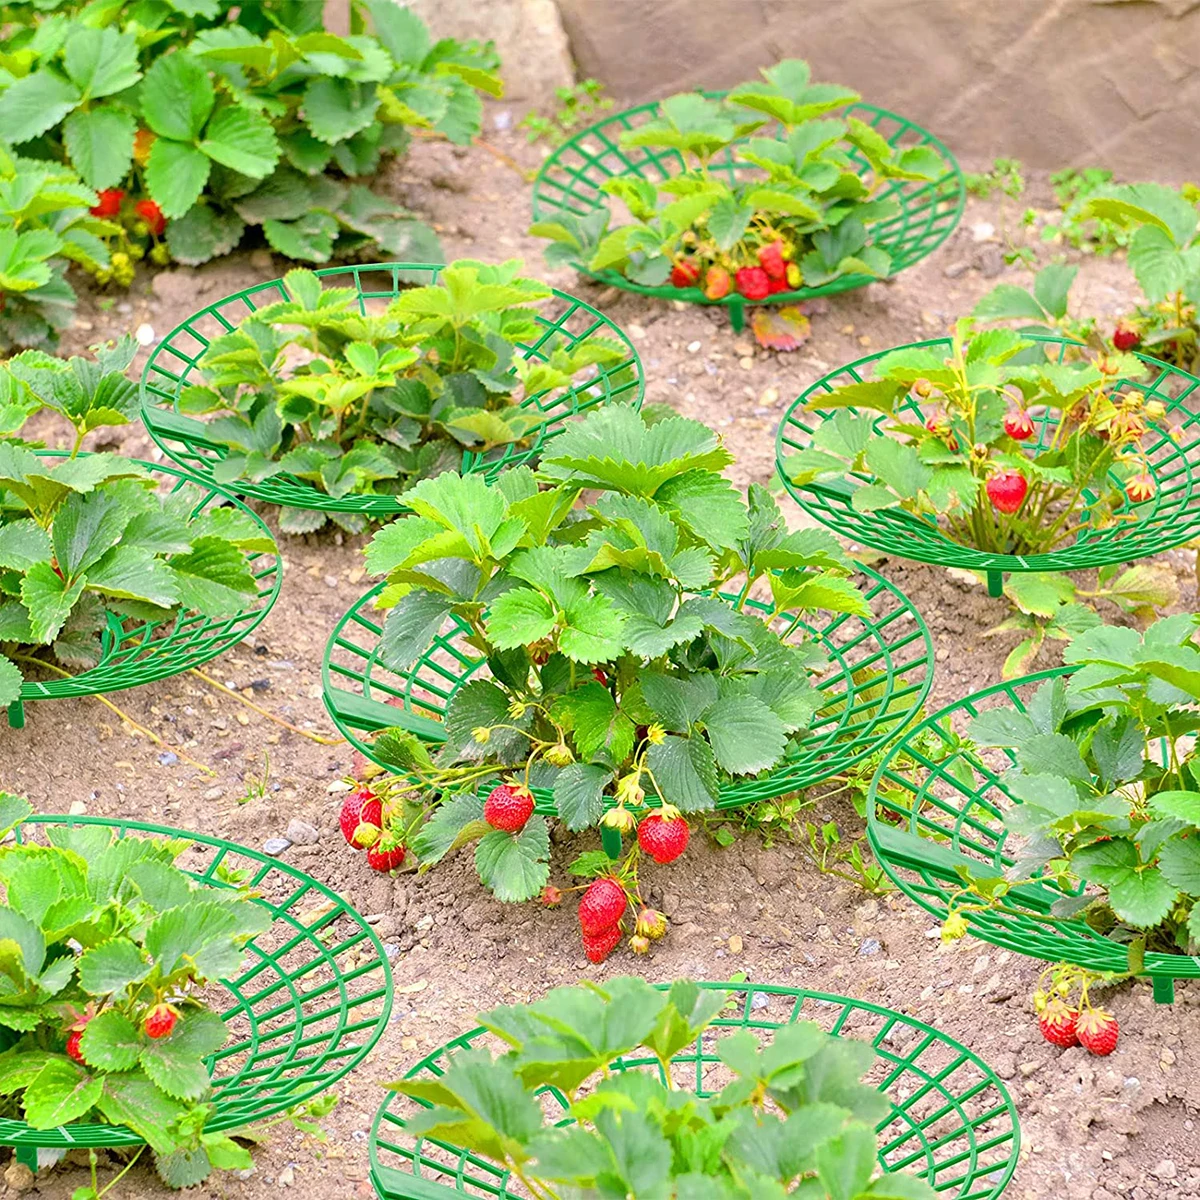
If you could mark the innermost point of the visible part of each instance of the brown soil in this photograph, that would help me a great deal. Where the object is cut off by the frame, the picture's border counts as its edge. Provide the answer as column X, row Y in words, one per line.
column 1091, row 1128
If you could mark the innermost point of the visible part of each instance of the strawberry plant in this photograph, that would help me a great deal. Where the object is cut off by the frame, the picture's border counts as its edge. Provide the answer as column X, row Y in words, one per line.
column 312, row 388
column 796, row 213
column 1011, row 453
column 787, row 1117
column 108, row 948
column 45, row 225
column 85, row 539
column 1105, row 784
column 197, row 120
column 1073, row 189
column 610, row 595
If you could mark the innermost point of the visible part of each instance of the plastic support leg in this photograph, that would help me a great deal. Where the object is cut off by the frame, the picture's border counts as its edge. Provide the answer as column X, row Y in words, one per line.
column 610, row 839
column 1164, row 989
column 995, row 582
column 16, row 715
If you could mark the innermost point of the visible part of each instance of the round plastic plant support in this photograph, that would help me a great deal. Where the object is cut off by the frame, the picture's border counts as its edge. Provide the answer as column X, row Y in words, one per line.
column 173, row 367
column 571, row 178
column 935, row 808
column 952, row 1121
column 878, row 675
column 312, row 1000
column 1170, row 518
column 137, row 652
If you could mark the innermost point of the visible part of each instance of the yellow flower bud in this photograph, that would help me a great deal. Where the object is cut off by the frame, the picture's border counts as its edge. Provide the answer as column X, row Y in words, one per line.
column 482, row 734
column 954, row 927
column 656, row 735
column 560, row 755
column 620, row 819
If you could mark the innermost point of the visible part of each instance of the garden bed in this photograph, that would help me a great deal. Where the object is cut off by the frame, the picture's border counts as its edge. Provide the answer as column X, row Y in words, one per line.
column 763, row 911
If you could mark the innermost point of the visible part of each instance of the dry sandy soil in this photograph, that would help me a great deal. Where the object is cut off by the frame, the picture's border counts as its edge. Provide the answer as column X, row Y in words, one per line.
column 1092, row 1128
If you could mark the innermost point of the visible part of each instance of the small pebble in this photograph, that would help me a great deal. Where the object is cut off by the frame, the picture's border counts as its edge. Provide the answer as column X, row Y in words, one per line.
column 869, row 946
column 693, row 347
column 168, row 759
column 145, row 335
column 301, row 833
column 214, row 793
column 275, row 846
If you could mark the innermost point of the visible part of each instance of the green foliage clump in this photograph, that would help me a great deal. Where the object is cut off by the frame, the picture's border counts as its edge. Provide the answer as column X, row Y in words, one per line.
column 609, row 595
column 232, row 115
column 791, row 1118
column 352, row 403
column 86, row 539
column 801, row 191
column 99, row 936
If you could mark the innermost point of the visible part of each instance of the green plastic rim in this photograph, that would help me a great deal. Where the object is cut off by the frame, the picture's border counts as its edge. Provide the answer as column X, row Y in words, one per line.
column 138, row 652
column 173, row 367
column 935, row 810
column 313, row 999
column 878, row 676
column 1170, row 518
column 952, row 1121
column 571, row 178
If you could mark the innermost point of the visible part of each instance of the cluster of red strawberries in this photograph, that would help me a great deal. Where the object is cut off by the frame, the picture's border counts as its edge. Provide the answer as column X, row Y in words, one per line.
column 109, row 205
column 159, row 1021
column 362, row 826
column 1094, row 1029
column 773, row 273
column 602, row 907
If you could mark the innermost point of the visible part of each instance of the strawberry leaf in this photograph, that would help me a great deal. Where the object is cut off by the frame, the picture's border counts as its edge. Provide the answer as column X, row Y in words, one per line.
column 61, row 1092
column 515, row 866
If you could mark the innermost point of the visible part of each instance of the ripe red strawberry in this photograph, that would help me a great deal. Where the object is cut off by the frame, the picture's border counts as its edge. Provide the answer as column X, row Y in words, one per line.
column 508, row 807
column 685, row 273
column 384, row 858
column 753, row 283
column 159, row 1021
column 602, row 906
column 1006, row 490
column 663, row 840
column 598, row 946
column 149, row 211
column 770, row 258
column 716, row 283
column 1057, row 1023
column 109, row 203
column 778, row 285
column 599, row 676
column 1098, row 1031
column 73, row 1040
column 1140, row 488
column 361, row 819
column 1018, row 425
column 1125, row 337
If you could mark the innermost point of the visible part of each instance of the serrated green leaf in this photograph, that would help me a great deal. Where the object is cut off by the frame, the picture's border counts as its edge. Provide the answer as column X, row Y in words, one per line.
column 131, row 1099
column 518, row 617
column 444, row 830
column 242, row 140
column 309, row 239
column 60, row 1093
column 215, row 578
column 111, row 1042
column 579, row 794
column 685, row 772
column 100, row 144
column 175, row 175
column 101, row 62
column 48, row 600
column 746, row 736
column 177, row 98
column 515, row 867
column 34, row 104
column 110, row 967
column 176, row 1062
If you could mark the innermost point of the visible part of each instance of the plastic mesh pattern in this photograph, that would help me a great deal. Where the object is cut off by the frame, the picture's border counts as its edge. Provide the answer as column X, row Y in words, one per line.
column 952, row 1121
column 571, row 178
column 133, row 653
column 936, row 805
column 312, row 1000
column 173, row 367
column 877, row 677
column 1171, row 517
